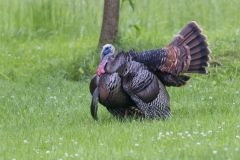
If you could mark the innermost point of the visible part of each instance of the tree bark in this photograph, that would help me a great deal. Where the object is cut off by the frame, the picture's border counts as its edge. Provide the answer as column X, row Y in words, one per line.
column 110, row 22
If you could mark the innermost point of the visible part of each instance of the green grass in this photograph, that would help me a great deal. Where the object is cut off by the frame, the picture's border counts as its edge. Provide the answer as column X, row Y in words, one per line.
column 44, row 113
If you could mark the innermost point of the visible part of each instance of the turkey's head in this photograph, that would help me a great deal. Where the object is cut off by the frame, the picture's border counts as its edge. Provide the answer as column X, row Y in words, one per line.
column 111, row 62
column 108, row 49
column 107, row 52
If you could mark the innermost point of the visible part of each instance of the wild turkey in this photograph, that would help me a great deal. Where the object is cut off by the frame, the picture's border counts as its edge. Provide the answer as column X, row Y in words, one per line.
column 188, row 52
column 132, row 91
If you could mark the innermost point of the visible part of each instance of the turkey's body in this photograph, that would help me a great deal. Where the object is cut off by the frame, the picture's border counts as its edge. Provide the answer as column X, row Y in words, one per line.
column 137, row 94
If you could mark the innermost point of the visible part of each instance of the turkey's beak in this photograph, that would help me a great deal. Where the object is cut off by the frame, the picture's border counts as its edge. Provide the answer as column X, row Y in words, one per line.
column 94, row 104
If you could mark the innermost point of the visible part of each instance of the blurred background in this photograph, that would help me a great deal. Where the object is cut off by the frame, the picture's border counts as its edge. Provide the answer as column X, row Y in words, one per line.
column 49, row 51
column 60, row 37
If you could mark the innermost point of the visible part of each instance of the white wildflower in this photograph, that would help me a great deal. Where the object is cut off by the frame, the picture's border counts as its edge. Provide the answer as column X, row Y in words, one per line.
column 203, row 134
column 66, row 154
column 210, row 132
column 136, row 144
column 25, row 141
column 53, row 97
column 39, row 48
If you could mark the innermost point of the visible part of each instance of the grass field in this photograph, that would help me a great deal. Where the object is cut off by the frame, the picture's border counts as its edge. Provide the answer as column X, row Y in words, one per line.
column 48, row 54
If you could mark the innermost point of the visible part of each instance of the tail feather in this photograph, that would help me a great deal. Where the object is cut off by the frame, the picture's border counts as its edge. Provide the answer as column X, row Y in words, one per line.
column 197, row 41
column 190, row 27
column 199, row 66
column 202, row 54
column 200, row 48
column 191, row 38
column 201, row 71
column 201, row 62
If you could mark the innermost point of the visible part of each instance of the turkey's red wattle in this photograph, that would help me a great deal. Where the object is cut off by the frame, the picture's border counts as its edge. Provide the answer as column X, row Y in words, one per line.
column 100, row 70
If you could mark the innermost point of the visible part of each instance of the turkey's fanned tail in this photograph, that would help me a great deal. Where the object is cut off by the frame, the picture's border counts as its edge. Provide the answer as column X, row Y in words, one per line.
column 188, row 52
column 192, row 50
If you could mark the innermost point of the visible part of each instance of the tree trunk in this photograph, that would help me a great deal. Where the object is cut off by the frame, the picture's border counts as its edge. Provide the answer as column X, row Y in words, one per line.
column 110, row 22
